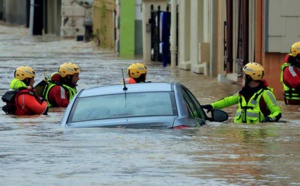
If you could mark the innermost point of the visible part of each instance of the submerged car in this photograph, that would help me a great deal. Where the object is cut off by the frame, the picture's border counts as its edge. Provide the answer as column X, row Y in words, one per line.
column 142, row 105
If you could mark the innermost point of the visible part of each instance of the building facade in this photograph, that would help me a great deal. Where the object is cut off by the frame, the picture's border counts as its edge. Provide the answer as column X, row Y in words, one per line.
column 118, row 26
column 218, row 37
column 64, row 18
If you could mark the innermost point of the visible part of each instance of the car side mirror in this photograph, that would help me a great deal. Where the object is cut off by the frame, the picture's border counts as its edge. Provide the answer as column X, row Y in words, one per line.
column 218, row 115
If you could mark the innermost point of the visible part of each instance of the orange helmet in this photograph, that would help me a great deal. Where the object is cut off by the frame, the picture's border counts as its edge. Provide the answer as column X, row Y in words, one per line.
column 254, row 70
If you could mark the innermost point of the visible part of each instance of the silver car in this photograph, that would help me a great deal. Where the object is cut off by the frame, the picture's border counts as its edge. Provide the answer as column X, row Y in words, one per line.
column 142, row 105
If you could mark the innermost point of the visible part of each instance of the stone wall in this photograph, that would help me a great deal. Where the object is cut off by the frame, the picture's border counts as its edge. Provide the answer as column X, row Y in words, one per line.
column 74, row 13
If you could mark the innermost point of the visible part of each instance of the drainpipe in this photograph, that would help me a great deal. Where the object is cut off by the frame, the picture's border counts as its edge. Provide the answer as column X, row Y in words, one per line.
column 31, row 17
column 44, row 17
column 173, row 33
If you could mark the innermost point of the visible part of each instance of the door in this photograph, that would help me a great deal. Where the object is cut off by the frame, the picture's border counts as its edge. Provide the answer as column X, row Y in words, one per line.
column 236, row 26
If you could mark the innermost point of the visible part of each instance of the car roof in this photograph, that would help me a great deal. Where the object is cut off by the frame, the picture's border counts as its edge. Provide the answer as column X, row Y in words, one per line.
column 137, row 87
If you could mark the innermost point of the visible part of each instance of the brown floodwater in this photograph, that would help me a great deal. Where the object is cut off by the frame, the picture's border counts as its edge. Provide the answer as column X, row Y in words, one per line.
column 36, row 151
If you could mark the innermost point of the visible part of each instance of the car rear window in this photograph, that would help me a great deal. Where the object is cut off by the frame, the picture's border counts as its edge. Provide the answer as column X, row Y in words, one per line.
column 123, row 105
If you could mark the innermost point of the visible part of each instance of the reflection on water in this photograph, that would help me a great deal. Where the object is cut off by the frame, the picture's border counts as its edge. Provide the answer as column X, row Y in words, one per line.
column 36, row 151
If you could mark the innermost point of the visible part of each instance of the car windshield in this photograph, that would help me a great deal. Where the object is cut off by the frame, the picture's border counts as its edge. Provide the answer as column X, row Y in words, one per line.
column 123, row 105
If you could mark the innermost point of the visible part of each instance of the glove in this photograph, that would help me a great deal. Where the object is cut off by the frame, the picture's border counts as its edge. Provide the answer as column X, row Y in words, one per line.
column 207, row 107
column 268, row 119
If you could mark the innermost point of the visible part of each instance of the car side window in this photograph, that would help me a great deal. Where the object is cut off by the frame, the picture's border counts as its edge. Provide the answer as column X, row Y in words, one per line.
column 194, row 108
column 191, row 114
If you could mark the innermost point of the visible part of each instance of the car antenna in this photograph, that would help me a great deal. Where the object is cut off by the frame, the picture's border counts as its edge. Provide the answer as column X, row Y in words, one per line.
column 124, row 88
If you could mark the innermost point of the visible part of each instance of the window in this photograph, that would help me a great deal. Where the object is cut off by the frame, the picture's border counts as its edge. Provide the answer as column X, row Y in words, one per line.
column 124, row 105
column 194, row 108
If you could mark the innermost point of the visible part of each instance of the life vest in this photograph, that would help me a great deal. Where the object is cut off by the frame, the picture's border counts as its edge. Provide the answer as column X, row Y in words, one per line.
column 129, row 81
column 11, row 99
column 250, row 112
column 289, row 93
column 132, row 81
column 42, row 87
column 10, row 96
column 15, row 105
column 71, row 91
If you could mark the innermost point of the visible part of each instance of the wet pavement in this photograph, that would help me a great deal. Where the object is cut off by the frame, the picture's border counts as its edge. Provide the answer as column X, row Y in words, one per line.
column 36, row 151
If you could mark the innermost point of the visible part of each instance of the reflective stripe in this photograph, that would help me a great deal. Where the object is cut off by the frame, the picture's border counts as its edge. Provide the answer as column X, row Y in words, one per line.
column 62, row 93
column 292, row 71
column 253, row 101
column 256, row 115
column 293, row 97
column 23, row 101
column 272, row 98
column 238, row 113
column 129, row 81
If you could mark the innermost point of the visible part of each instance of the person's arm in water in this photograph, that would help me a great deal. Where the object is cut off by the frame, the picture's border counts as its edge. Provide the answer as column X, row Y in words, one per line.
column 271, row 102
column 226, row 102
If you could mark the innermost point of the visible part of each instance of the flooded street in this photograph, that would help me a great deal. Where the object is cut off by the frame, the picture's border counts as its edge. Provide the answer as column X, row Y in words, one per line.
column 36, row 151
